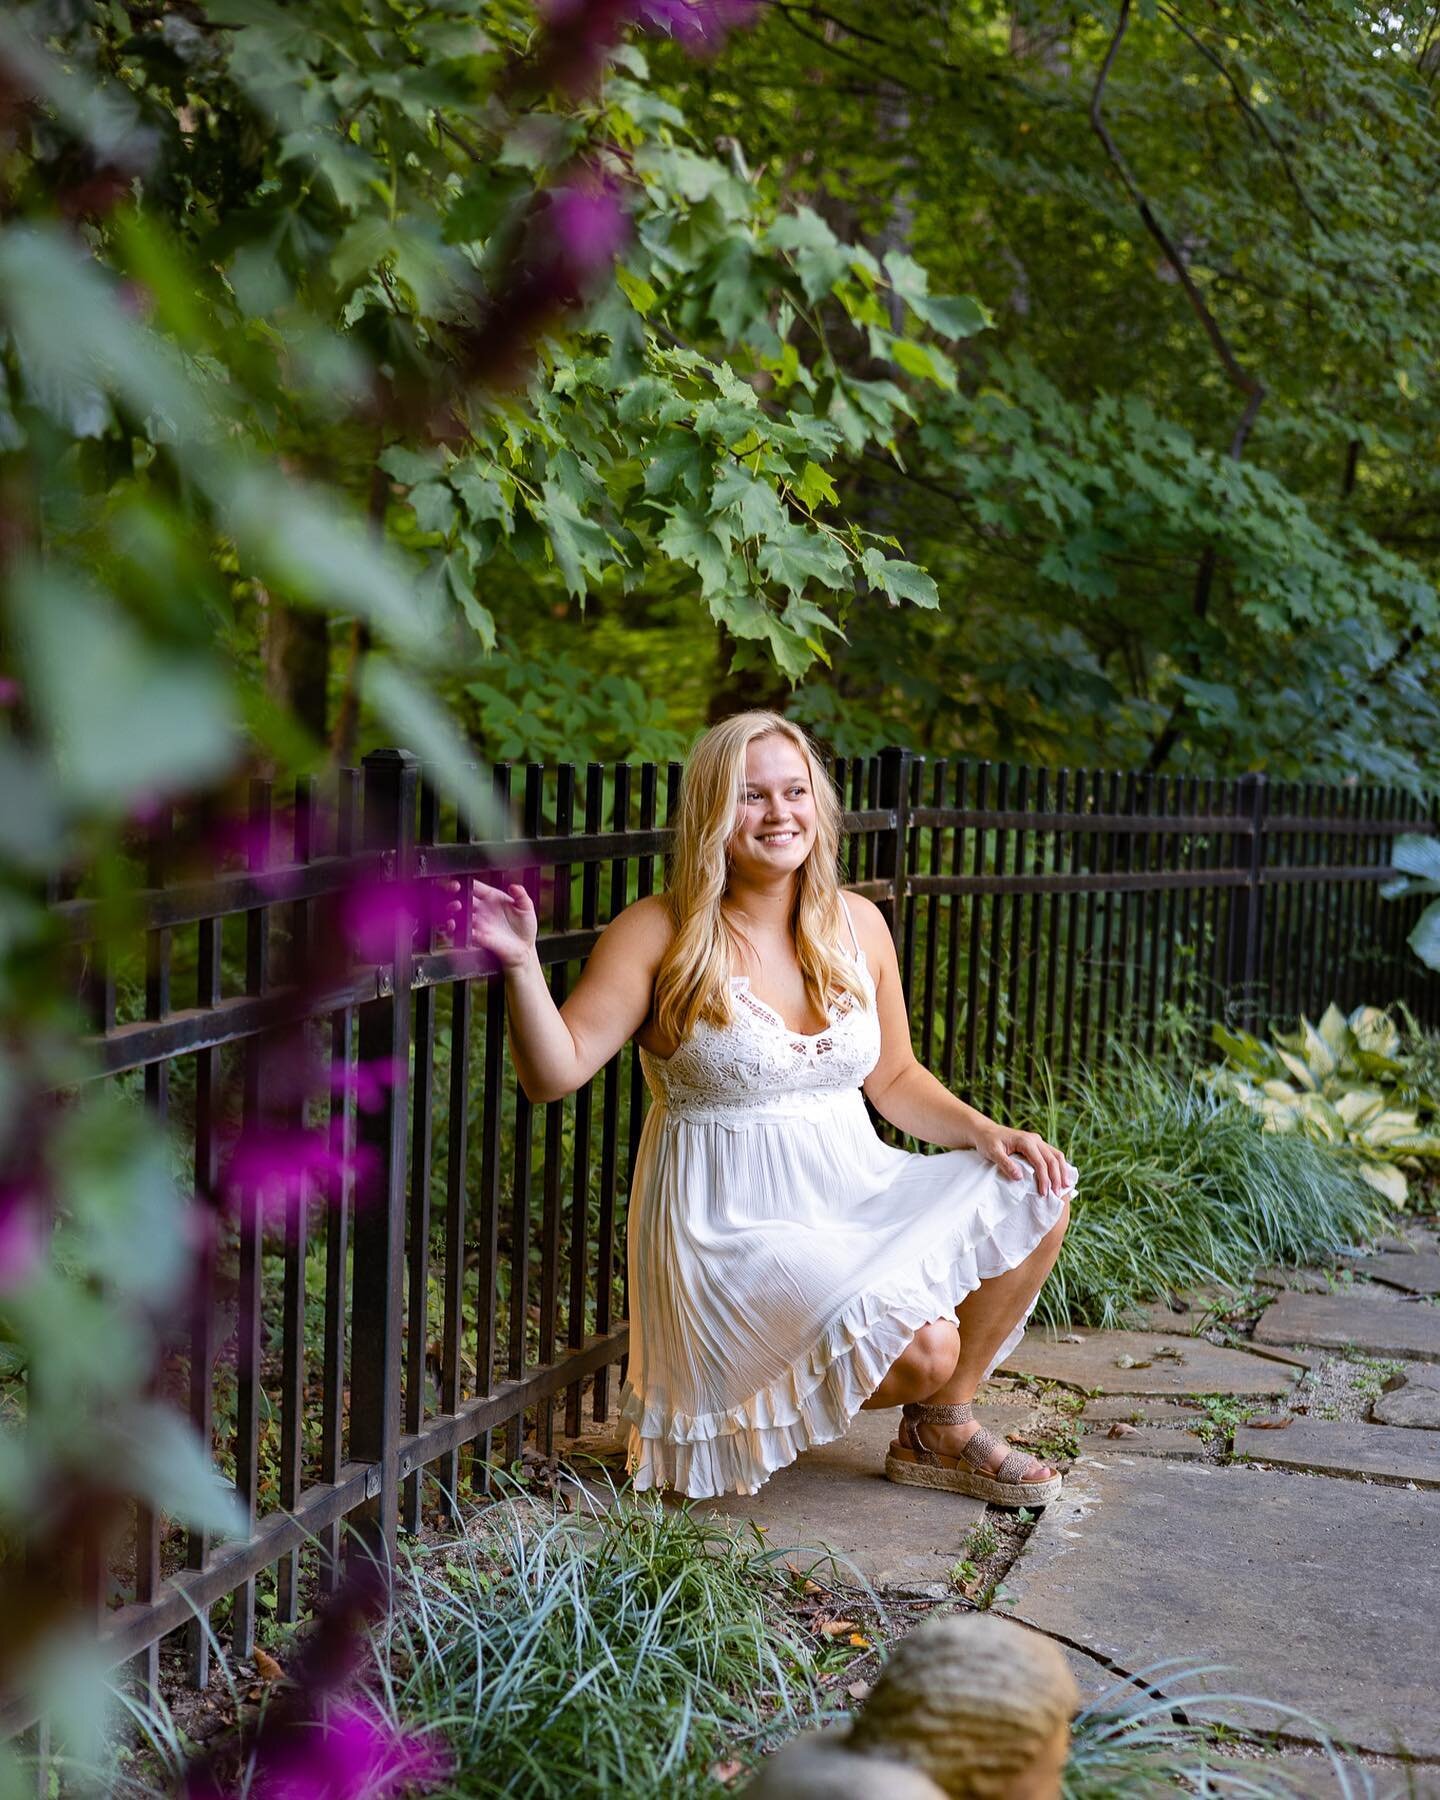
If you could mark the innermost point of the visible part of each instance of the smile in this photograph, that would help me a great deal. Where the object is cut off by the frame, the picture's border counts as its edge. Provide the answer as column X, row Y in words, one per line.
column 778, row 837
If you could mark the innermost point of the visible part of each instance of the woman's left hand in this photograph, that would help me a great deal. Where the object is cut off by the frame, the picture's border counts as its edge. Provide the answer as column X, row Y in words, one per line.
column 1007, row 1149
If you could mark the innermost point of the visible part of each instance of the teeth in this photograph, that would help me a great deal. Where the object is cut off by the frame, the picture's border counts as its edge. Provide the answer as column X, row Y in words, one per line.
column 777, row 837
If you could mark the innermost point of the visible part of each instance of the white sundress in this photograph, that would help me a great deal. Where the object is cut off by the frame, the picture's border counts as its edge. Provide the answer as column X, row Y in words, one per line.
column 781, row 1254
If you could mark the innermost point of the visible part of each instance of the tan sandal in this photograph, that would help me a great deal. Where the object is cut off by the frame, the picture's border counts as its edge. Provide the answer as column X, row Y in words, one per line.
column 911, row 1462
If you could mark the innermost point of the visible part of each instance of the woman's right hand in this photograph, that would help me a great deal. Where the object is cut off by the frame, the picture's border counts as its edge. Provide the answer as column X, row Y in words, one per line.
column 502, row 921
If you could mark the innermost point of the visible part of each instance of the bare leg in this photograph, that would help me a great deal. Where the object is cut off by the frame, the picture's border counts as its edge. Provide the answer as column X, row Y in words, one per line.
column 986, row 1319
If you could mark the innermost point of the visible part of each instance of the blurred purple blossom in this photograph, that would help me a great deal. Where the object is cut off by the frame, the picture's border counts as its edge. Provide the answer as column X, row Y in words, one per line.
column 10, row 691
column 368, row 1081
column 20, row 1237
column 276, row 1161
column 698, row 24
column 589, row 228
column 356, row 1754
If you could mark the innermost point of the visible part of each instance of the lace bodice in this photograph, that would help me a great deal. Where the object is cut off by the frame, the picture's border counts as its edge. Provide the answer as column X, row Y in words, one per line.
column 756, row 1061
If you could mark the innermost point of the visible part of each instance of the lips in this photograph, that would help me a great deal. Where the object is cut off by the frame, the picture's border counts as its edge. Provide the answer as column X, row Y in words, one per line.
column 778, row 839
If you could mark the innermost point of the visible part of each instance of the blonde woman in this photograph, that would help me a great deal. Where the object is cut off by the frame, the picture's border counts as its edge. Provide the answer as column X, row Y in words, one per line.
column 788, row 1267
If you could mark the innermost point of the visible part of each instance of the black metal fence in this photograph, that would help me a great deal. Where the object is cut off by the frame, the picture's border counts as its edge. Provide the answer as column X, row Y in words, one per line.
column 474, row 1285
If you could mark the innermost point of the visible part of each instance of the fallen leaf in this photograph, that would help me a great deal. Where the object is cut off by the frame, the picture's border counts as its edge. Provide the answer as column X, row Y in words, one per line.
column 1132, row 1362
column 859, row 1690
column 725, row 1771
column 837, row 1627
column 267, row 1668
column 812, row 1587
column 1273, row 1424
column 860, row 1643
column 1120, row 1429
column 1070, row 1338
column 1169, row 1353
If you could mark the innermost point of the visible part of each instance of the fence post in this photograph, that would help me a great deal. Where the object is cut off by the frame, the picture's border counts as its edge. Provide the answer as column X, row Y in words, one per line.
column 1242, row 948
column 378, row 1231
column 890, row 849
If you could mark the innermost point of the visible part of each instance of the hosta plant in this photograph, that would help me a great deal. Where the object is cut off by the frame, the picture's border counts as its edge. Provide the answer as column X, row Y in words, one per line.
column 1418, row 860
column 1346, row 1082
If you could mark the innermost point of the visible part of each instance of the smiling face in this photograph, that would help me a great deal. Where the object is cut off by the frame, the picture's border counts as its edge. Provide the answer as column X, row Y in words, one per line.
column 775, row 827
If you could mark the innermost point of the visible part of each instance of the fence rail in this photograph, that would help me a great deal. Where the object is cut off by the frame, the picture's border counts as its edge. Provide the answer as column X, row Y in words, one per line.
column 465, row 1270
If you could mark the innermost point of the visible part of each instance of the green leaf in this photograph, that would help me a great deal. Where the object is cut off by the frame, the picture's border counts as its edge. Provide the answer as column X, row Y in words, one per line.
column 900, row 580
column 1414, row 854
column 434, row 506
column 126, row 719
column 687, row 537
column 798, row 555
column 147, row 1450
column 1424, row 940
column 582, row 548
column 761, row 514
column 815, row 486
column 416, row 719
column 410, row 467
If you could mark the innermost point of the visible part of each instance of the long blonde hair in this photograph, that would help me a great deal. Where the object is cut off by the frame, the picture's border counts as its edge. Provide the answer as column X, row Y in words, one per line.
column 693, row 980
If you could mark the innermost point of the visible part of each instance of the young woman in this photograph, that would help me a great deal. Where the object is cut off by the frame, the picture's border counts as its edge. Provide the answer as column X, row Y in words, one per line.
column 788, row 1267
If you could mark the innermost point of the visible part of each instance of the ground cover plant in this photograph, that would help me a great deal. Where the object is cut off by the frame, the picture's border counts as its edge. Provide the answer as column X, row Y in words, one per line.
column 1180, row 1187
column 639, row 1649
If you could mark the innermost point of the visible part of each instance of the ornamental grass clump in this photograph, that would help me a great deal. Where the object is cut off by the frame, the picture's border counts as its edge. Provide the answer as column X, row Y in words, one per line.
column 588, row 1656
column 1181, row 1187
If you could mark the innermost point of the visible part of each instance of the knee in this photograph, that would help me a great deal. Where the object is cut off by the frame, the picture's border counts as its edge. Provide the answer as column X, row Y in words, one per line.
column 1056, row 1234
column 933, row 1354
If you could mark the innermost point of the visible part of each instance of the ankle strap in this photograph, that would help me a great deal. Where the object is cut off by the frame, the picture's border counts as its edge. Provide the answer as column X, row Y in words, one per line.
column 922, row 1413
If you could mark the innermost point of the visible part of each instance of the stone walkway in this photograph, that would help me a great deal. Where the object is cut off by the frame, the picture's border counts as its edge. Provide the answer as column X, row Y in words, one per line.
column 1270, row 1504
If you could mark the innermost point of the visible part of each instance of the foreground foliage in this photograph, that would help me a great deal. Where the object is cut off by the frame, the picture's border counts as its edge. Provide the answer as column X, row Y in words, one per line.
column 1182, row 1187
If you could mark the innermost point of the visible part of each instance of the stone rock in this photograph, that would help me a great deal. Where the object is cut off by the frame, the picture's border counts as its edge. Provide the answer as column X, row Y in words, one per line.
column 835, row 1501
column 1314, row 1594
column 1147, row 1362
column 1332, row 1777
column 1301, row 1281
column 1147, row 1441
column 813, row 1767
column 1413, row 1404
column 1413, row 1272
column 1108, row 1408
column 1345, row 1447
column 1358, row 1321
column 982, row 1706
column 1417, row 1374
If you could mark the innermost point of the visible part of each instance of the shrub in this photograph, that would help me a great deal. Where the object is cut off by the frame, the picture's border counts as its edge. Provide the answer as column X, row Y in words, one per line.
column 1181, row 1186
column 594, row 1657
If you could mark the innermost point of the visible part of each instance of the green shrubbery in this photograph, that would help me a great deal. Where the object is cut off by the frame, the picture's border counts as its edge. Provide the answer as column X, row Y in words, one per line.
column 1360, row 1085
column 1181, row 1186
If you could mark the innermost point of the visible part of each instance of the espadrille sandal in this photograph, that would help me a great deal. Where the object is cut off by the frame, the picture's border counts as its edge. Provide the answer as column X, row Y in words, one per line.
column 910, row 1461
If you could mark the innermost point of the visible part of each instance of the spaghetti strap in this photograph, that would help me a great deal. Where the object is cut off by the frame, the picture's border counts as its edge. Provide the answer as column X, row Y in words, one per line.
column 849, row 920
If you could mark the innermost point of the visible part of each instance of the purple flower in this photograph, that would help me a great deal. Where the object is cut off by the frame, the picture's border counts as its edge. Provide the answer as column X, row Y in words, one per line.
column 368, row 1081
column 20, row 1237
column 355, row 1754
column 277, row 1162
column 10, row 691
column 589, row 228
column 698, row 24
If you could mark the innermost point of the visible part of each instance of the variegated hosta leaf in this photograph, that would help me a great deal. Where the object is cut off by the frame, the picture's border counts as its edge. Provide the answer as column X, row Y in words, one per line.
column 1386, row 1179
column 1358, row 1105
column 1375, row 1031
column 1299, row 1069
column 1388, row 1128
column 1335, row 1033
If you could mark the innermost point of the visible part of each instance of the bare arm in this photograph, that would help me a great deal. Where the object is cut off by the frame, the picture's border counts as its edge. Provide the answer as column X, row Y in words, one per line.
column 557, row 1049
column 903, row 1091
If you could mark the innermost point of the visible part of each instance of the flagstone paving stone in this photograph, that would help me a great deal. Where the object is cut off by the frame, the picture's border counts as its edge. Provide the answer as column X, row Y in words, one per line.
column 1184, row 1365
column 837, row 1498
column 1314, row 1593
column 1148, row 1440
column 1413, row 1404
column 1363, row 1322
column 1415, row 1272
column 1130, row 1409
column 1345, row 1447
